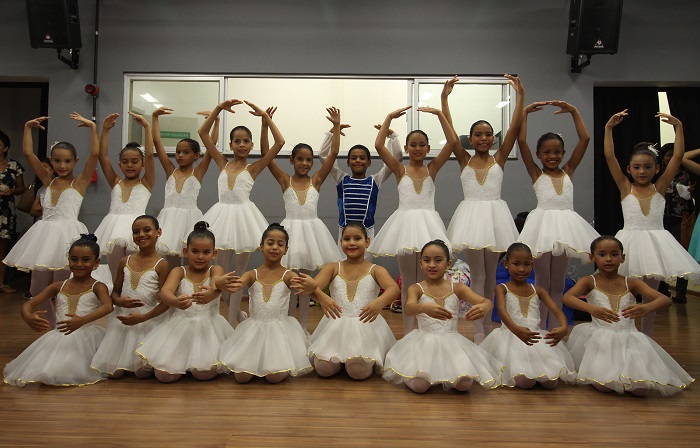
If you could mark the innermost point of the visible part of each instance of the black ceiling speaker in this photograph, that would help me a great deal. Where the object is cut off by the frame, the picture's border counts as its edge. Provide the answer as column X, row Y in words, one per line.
column 54, row 24
column 594, row 28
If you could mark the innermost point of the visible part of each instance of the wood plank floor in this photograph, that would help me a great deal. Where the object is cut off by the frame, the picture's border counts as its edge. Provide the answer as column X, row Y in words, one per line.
column 311, row 411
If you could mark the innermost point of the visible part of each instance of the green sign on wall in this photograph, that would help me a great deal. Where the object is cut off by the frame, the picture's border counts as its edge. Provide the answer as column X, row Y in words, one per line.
column 173, row 134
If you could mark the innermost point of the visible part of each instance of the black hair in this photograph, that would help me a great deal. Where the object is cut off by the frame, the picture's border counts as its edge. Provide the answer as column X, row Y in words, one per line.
column 517, row 247
column 131, row 146
column 606, row 238
column 275, row 226
column 65, row 145
column 362, row 147
column 5, row 139
column 664, row 149
column 549, row 136
column 240, row 128
column 201, row 230
column 439, row 243
column 519, row 220
column 417, row 131
column 477, row 123
column 88, row 240
column 643, row 148
column 194, row 145
column 357, row 225
column 153, row 220
column 300, row 146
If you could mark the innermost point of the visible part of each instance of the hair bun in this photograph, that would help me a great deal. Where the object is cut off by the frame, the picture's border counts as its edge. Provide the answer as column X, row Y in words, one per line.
column 201, row 225
column 88, row 236
column 275, row 225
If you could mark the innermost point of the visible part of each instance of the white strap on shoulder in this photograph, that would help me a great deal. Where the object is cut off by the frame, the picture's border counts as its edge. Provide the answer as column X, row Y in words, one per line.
column 626, row 285
column 595, row 285
column 421, row 287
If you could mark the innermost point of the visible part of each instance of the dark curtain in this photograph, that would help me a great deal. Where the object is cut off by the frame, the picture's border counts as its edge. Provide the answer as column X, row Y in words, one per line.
column 640, row 125
column 684, row 103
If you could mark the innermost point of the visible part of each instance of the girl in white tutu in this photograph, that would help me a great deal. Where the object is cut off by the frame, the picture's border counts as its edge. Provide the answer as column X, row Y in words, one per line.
column 610, row 354
column 138, row 309
column 415, row 222
column 130, row 195
column 531, row 355
column 189, row 341
column 482, row 225
column 235, row 219
column 312, row 244
column 653, row 254
column 61, row 357
column 43, row 247
column 554, row 231
column 436, row 353
column 352, row 332
column 183, row 182
column 270, row 343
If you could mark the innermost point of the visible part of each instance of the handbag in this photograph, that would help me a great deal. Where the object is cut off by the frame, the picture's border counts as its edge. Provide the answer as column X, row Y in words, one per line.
column 26, row 199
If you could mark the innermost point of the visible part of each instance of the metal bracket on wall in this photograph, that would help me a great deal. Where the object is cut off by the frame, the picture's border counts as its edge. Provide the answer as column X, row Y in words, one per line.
column 577, row 65
column 73, row 53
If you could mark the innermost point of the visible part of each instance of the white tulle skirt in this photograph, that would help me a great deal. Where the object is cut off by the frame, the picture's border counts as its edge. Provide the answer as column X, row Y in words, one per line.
column 558, row 231
column 624, row 360
column 407, row 231
column 657, row 254
column 237, row 227
column 118, row 348
column 482, row 225
column 311, row 245
column 185, row 343
column 264, row 347
column 441, row 358
column 539, row 361
column 176, row 224
column 45, row 245
column 115, row 230
column 337, row 340
column 58, row 359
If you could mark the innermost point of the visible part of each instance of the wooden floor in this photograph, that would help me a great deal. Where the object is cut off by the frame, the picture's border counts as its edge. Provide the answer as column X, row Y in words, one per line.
column 311, row 411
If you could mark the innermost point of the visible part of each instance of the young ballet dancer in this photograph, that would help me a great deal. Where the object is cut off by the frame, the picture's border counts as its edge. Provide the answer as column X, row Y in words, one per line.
column 436, row 353
column 42, row 249
column 235, row 219
column 189, row 341
column 138, row 309
column 531, row 355
column 653, row 254
column 554, row 231
column 415, row 222
column 270, row 343
column 183, row 182
column 61, row 357
column 482, row 224
column 130, row 195
column 312, row 244
column 353, row 333
column 358, row 192
column 610, row 354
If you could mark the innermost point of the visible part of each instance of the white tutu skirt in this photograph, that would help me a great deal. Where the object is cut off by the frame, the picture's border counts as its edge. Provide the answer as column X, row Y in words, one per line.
column 337, row 340
column 176, row 224
column 45, row 245
column 407, row 231
column 441, row 358
column 657, row 254
column 539, row 361
column 58, row 359
column 237, row 227
column 311, row 245
column 482, row 225
column 558, row 231
column 624, row 360
column 263, row 347
column 115, row 230
column 118, row 348
column 185, row 343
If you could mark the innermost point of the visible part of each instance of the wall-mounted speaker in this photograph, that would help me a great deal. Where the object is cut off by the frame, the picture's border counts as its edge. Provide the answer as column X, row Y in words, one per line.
column 594, row 27
column 54, row 24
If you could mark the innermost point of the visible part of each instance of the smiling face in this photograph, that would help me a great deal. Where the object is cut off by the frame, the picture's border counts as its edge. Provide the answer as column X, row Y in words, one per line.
column 354, row 242
column 607, row 256
column 184, row 154
column 519, row 265
column 63, row 162
column 359, row 161
column 274, row 245
column 642, row 168
column 145, row 233
column 82, row 261
column 481, row 137
column 551, row 153
column 434, row 261
column 417, row 146
column 131, row 163
column 241, row 143
column 302, row 161
column 199, row 253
